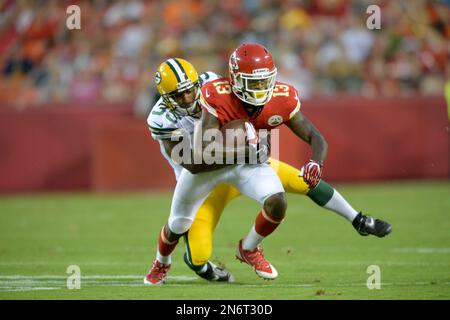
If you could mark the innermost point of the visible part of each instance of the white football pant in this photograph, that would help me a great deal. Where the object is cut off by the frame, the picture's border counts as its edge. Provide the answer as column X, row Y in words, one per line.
column 257, row 181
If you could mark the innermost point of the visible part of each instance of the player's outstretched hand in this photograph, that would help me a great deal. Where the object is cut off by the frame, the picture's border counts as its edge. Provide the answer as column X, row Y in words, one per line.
column 311, row 173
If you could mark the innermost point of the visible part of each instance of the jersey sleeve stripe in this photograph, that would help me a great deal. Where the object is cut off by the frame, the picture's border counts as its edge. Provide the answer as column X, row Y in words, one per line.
column 205, row 75
column 161, row 136
column 297, row 109
column 156, row 134
column 161, row 129
column 207, row 107
column 167, row 135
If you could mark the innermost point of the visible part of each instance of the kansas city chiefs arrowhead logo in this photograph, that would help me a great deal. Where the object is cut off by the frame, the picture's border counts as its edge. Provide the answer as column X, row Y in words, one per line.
column 233, row 61
column 275, row 120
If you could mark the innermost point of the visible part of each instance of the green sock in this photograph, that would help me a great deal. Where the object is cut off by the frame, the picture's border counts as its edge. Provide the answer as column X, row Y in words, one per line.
column 321, row 194
column 328, row 197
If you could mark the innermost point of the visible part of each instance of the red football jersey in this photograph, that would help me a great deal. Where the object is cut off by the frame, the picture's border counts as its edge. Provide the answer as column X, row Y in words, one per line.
column 219, row 100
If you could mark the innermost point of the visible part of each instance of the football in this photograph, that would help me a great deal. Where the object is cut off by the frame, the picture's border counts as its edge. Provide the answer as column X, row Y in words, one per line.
column 235, row 133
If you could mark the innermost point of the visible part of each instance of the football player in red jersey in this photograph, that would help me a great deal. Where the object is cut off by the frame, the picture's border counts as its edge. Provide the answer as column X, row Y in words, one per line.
column 200, row 235
column 257, row 181
column 253, row 94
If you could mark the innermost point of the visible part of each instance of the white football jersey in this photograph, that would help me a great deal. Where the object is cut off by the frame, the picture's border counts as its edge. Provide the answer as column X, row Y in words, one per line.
column 166, row 124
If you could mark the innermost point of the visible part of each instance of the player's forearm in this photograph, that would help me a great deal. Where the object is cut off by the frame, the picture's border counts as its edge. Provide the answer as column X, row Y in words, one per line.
column 305, row 130
column 218, row 153
column 199, row 143
column 319, row 148
column 213, row 149
column 238, row 152
column 216, row 156
column 209, row 161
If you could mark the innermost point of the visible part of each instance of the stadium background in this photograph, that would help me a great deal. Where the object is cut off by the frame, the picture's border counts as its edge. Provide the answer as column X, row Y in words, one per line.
column 73, row 103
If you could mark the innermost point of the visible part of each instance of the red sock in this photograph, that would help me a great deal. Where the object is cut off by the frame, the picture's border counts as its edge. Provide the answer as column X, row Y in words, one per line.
column 265, row 224
column 165, row 246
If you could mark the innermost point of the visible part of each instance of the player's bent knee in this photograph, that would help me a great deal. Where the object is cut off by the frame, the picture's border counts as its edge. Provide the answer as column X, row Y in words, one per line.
column 180, row 225
column 276, row 205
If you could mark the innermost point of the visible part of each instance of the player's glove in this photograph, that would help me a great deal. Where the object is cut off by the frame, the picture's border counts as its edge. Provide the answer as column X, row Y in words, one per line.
column 311, row 173
column 259, row 152
column 251, row 135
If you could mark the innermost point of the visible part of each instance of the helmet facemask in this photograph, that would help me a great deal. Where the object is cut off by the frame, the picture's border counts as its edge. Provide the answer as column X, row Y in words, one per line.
column 175, row 100
column 255, row 88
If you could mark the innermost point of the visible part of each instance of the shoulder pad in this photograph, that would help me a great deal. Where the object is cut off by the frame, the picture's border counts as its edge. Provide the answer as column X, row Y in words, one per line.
column 289, row 96
column 162, row 122
column 208, row 76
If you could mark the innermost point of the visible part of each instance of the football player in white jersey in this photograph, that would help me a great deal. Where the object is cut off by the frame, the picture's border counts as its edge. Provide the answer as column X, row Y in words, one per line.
column 166, row 122
column 172, row 117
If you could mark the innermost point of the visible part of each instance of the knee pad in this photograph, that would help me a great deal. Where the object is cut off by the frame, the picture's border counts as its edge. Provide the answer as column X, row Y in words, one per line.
column 180, row 225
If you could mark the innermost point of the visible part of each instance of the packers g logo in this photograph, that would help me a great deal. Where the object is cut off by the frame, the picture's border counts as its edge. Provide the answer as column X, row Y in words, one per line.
column 275, row 120
column 157, row 78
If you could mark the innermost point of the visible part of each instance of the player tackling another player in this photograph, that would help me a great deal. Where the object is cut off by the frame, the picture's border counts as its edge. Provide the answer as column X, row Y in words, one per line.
column 252, row 94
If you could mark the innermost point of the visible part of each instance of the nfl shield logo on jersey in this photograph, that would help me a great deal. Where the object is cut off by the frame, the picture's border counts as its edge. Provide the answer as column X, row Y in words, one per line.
column 275, row 120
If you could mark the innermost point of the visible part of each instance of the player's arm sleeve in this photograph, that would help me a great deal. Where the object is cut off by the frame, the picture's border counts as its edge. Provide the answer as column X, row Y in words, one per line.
column 295, row 103
column 159, row 128
column 207, row 106
column 169, row 134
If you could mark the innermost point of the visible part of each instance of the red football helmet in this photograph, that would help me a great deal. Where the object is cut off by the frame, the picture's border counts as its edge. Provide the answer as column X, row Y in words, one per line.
column 252, row 73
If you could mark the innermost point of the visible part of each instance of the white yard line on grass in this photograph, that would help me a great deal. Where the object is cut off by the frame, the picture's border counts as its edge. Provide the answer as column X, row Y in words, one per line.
column 384, row 263
column 12, row 289
column 13, row 283
column 33, row 277
column 48, row 263
column 422, row 250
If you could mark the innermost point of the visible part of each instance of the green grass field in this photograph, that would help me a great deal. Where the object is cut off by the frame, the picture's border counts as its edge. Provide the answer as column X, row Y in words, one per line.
column 112, row 238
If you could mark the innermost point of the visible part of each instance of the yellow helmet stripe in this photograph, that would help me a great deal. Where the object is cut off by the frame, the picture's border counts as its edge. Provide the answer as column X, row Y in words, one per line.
column 177, row 69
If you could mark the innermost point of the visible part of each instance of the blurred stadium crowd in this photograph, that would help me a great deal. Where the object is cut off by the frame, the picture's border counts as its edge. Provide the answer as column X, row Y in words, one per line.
column 323, row 47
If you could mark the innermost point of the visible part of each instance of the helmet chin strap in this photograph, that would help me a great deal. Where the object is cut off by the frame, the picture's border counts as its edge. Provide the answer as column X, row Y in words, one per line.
column 195, row 105
column 196, row 114
column 194, row 108
column 249, row 97
column 190, row 109
column 252, row 110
